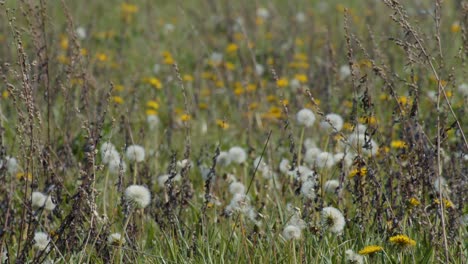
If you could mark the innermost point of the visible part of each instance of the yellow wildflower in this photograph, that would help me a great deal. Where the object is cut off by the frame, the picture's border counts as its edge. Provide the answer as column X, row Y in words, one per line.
column 151, row 112
column 203, row 106
column 117, row 99
column 360, row 172
column 152, row 104
column 155, row 82
column 222, row 124
column 302, row 78
column 282, row 82
column 64, row 42
column 414, row 202
column 185, row 117
column 402, row 240
column 5, row 94
column 24, row 176
column 251, row 87
column 102, row 57
column 455, row 27
column 231, row 48
column 369, row 250
column 398, row 144
column 187, row 78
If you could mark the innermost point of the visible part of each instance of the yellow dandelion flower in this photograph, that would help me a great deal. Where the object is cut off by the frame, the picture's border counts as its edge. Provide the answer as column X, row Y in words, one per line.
column 64, row 43
column 384, row 97
column 119, row 87
column 302, row 78
column 219, row 84
column 348, row 126
column 203, row 106
column 239, row 91
column 369, row 250
column 271, row 98
column 128, row 9
column 187, row 78
column 231, row 48
column 153, row 81
column 402, row 240
column 63, row 59
column 253, row 106
column 414, row 202
column 151, row 112
column 300, row 57
column 5, row 94
column 168, row 60
column 229, row 66
column 222, row 124
column 102, row 57
column 447, row 202
column 24, row 176
column 282, row 82
column 152, row 104
column 117, row 100
column 455, row 27
column 251, row 87
column 185, row 117
column 371, row 120
column 398, row 144
column 403, row 100
column 360, row 172
column 83, row 52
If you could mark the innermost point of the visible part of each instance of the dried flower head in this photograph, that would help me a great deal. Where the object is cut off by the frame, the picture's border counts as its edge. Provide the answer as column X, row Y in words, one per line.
column 333, row 220
column 39, row 200
column 331, row 186
column 138, row 195
column 308, row 189
column 135, row 153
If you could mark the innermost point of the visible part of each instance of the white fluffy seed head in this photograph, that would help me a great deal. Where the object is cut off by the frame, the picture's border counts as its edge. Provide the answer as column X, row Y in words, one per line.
column 332, row 122
column 41, row 240
column 353, row 257
column 116, row 239
column 237, row 188
column 311, row 155
column 237, row 155
column 308, row 189
column 325, row 160
column 153, row 121
column 116, row 165
column 331, row 186
column 345, row 71
column 263, row 13
column 138, row 195
column 162, row 179
column 347, row 159
column 259, row 69
column 284, row 166
column 305, row 117
column 291, row 232
column 38, row 199
column 11, row 165
column 223, row 159
column 333, row 220
column 463, row 89
column 135, row 153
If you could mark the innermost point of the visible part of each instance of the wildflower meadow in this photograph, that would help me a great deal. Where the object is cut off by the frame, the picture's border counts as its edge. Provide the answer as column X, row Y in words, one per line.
column 201, row 131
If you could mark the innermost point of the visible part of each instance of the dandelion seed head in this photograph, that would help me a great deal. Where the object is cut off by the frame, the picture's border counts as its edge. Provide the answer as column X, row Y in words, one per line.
column 41, row 240
column 237, row 188
column 333, row 220
column 115, row 239
column 153, row 121
column 308, row 189
column 291, row 232
column 352, row 257
column 223, row 159
column 135, row 153
column 138, row 195
column 116, row 165
column 332, row 122
column 325, row 160
column 284, row 166
column 237, row 155
column 311, row 155
column 345, row 71
column 305, row 117
column 331, row 186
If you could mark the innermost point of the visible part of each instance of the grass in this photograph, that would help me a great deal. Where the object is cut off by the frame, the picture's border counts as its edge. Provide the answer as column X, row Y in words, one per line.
column 188, row 81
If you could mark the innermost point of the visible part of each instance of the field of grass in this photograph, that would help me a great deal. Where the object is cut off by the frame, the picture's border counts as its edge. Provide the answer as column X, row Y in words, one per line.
column 233, row 131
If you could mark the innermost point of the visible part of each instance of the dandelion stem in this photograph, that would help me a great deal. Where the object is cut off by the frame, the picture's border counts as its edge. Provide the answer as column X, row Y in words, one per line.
column 301, row 143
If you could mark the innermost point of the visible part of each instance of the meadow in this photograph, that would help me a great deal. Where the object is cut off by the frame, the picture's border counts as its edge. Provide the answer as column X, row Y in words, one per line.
column 233, row 131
